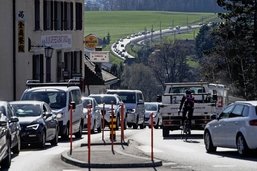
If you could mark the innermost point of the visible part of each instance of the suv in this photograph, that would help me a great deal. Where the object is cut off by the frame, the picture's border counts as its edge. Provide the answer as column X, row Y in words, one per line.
column 106, row 101
column 9, row 134
column 134, row 101
column 59, row 96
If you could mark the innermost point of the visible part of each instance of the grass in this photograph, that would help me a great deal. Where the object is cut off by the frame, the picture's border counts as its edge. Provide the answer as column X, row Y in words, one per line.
column 123, row 23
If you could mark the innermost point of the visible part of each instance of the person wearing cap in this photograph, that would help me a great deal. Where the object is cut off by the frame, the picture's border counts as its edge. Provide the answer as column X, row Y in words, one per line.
column 187, row 102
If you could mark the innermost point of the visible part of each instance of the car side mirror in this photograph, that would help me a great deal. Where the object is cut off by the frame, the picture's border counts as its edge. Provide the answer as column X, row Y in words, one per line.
column 3, row 123
column 47, row 114
column 140, row 101
column 72, row 105
column 159, row 98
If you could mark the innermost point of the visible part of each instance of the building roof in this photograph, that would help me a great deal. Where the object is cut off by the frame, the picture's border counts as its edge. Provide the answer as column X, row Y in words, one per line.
column 94, row 78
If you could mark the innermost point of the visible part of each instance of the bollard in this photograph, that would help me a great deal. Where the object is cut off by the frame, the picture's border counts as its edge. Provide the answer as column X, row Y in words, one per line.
column 152, row 136
column 103, row 121
column 89, row 133
column 122, row 123
column 71, row 108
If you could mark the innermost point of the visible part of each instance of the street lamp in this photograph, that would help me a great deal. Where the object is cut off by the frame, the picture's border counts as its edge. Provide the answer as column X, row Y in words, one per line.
column 48, row 56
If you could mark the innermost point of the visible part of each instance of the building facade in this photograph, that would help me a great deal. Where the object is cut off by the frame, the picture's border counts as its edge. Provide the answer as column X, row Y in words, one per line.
column 28, row 29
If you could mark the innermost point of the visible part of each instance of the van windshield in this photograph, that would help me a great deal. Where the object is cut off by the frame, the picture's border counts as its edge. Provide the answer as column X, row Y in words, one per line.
column 55, row 99
column 127, row 97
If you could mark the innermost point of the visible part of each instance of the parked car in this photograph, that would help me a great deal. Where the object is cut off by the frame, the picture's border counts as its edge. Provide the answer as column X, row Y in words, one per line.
column 59, row 97
column 134, row 101
column 13, row 125
column 235, row 127
column 38, row 123
column 106, row 101
column 95, row 114
column 153, row 108
column 9, row 134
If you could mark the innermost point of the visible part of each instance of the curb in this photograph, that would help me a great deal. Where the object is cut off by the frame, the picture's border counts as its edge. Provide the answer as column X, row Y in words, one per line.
column 68, row 159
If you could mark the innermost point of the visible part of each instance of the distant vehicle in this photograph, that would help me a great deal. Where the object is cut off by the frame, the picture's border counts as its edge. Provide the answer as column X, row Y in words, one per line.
column 14, row 126
column 105, row 102
column 9, row 134
column 235, row 127
column 134, row 101
column 38, row 123
column 209, row 99
column 153, row 108
column 96, row 115
column 59, row 96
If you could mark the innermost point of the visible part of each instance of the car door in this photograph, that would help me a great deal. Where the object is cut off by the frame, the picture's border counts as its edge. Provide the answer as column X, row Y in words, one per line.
column 50, row 122
column 218, row 132
column 77, row 114
column 3, row 134
column 233, row 124
column 14, row 126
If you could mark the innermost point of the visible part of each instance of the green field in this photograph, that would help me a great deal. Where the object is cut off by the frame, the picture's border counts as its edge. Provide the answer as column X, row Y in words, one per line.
column 123, row 23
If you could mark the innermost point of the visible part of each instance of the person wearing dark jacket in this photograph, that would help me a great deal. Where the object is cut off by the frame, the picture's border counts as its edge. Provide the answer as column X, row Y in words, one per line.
column 187, row 102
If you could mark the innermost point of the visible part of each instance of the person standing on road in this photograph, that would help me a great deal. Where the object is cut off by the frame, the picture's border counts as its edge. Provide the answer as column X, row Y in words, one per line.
column 187, row 102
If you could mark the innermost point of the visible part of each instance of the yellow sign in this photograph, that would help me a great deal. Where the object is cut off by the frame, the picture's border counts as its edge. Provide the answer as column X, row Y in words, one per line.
column 21, row 36
column 90, row 41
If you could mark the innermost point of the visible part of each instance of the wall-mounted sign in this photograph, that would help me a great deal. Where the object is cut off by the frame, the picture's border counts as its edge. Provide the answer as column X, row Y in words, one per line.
column 21, row 36
column 57, row 41
column 90, row 41
column 99, row 56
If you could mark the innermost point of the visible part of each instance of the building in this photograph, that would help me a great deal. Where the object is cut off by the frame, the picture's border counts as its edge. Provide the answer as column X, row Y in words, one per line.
column 29, row 30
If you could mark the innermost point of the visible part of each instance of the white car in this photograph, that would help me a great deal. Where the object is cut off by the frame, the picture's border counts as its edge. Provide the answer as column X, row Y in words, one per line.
column 235, row 127
column 95, row 114
column 106, row 102
column 153, row 108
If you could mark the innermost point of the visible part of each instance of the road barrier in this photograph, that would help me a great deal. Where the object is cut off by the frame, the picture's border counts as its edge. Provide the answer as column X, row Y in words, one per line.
column 72, row 106
column 89, row 132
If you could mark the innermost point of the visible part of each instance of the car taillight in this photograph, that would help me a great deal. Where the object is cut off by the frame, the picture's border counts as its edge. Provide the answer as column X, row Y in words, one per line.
column 253, row 122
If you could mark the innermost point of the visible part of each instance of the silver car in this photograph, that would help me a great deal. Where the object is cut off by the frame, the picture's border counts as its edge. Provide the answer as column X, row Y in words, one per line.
column 95, row 114
column 153, row 108
column 235, row 127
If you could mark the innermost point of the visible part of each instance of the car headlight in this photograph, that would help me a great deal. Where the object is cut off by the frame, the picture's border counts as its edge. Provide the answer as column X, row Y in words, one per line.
column 59, row 115
column 34, row 126
column 131, row 110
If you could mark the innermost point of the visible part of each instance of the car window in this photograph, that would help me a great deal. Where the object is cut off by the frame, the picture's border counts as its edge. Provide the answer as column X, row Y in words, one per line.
column 151, row 107
column 76, row 96
column 2, row 110
column 237, row 111
column 139, row 97
column 126, row 97
column 226, row 112
column 246, row 111
column 86, row 102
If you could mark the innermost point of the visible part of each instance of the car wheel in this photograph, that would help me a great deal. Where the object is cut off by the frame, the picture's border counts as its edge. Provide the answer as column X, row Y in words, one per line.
column 157, row 125
column 165, row 132
column 99, row 129
column 17, row 148
column 135, row 125
column 54, row 142
column 65, row 136
column 241, row 145
column 210, row 148
column 43, row 140
column 79, row 133
column 6, row 162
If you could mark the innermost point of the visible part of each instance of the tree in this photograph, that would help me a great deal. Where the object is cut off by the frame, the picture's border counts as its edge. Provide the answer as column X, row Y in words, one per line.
column 138, row 76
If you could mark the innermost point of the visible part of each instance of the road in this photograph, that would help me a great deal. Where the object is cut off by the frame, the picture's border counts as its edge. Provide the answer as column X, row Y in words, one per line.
column 174, row 152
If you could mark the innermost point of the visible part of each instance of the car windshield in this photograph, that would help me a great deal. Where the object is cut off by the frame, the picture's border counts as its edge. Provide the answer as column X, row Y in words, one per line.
column 2, row 110
column 126, row 97
column 87, row 102
column 23, row 110
column 105, row 99
column 56, row 99
column 151, row 107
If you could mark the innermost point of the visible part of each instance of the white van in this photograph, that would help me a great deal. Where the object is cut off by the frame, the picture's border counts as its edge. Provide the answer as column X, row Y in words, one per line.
column 59, row 98
column 134, row 102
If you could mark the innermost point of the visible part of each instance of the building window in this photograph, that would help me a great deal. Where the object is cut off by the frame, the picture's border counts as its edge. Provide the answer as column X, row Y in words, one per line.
column 76, row 64
column 69, row 16
column 37, row 14
column 79, row 16
column 58, row 15
column 38, row 67
column 48, row 15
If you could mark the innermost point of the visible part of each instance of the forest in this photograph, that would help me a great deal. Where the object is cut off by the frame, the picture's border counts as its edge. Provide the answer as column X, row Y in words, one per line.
column 156, row 5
